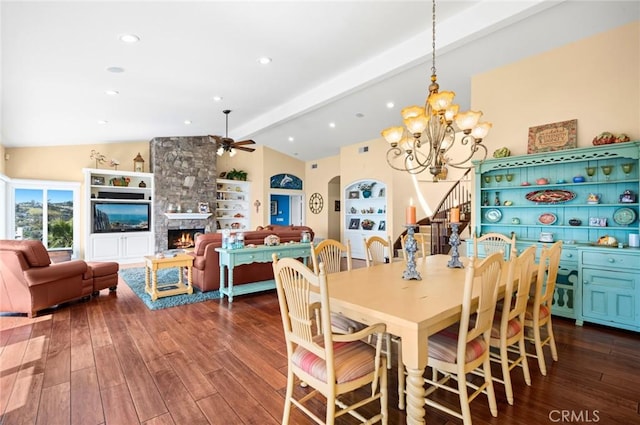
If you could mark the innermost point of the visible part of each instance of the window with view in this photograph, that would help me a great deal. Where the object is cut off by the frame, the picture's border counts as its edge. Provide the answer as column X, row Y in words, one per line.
column 48, row 212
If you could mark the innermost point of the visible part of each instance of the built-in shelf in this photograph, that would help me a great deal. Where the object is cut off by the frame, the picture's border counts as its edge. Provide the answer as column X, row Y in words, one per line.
column 187, row 216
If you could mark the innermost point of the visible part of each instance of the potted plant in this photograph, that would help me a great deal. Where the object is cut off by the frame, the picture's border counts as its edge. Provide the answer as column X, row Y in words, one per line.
column 366, row 189
column 237, row 175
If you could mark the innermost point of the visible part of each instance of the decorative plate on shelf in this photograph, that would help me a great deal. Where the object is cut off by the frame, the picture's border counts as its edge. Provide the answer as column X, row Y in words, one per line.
column 624, row 216
column 550, row 196
column 493, row 215
column 547, row 218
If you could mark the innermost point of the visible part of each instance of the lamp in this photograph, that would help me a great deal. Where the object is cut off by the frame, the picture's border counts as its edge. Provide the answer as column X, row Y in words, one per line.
column 429, row 135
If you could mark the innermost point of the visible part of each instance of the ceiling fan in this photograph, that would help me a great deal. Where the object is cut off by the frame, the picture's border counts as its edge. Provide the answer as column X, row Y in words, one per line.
column 226, row 144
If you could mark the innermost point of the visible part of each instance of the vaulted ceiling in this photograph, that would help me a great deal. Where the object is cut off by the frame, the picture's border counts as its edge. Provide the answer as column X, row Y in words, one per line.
column 336, row 62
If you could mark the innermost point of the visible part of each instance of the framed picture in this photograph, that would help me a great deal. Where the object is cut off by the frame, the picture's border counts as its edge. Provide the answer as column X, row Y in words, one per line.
column 382, row 225
column 274, row 207
column 354, row 194
column 203, row 207
column 553, row 137
column 354, row 224
column 336, row 206
column 97, row 180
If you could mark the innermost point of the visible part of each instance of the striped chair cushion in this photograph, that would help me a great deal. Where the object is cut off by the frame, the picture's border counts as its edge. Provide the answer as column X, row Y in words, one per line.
column 544, row 311
column 342, row 324
column 444, row 345
column 513, row 327
column 352, row 360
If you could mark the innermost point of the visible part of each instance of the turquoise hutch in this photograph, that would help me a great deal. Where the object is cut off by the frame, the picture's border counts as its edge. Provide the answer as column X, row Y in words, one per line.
column 586, row 197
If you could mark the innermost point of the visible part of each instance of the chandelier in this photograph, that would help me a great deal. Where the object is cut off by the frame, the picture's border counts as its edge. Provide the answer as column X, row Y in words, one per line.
column 428, row 133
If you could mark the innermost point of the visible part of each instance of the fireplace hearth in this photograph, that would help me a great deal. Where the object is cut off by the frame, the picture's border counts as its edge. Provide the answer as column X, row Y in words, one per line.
column 182, row 238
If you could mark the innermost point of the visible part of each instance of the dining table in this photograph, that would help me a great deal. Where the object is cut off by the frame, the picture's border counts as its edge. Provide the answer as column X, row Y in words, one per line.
column 410, row 309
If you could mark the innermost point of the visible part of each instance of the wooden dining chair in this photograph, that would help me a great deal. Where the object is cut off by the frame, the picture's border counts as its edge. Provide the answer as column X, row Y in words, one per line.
column 422, row 243
column 456, row 351
column 538, row 314
column 494, row 242
column 331, row 252
column 507, row 332
column 377, row 250
column 332, row 364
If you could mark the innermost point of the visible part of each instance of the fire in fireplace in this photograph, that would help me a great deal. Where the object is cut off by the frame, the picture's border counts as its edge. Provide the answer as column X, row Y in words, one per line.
column 182, row 238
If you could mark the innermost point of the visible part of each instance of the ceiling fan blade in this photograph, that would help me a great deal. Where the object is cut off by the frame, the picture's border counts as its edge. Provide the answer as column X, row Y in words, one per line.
column 242, row 148
column 217, row 139
column 245, row 142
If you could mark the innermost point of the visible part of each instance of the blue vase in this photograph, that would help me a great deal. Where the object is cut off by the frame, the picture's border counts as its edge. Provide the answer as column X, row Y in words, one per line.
column 366, row 193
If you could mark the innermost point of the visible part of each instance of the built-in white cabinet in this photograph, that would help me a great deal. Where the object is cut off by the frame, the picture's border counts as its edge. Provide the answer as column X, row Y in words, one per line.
column 365, row 213
column 118, row 214
column 232, row 205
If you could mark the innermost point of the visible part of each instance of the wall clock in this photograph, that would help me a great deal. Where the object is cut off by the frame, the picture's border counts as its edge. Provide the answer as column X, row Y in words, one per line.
column 315, row 203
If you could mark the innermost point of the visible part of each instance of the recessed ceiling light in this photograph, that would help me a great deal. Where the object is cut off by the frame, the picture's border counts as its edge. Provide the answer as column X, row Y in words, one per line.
column 103, row 122
column 187, row 122
column 217, row 98
column 115, row 69
column 360, row 115
column 264, row 60
column 112, row 92
column 290, row 139
column 129, row 38
column 390, row 105
column 332, row 125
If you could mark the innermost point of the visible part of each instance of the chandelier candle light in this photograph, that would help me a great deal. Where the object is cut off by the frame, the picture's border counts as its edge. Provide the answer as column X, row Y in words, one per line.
column 429, row 133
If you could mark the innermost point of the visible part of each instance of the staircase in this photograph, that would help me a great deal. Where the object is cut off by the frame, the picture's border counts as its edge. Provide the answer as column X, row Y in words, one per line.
column 437, row 226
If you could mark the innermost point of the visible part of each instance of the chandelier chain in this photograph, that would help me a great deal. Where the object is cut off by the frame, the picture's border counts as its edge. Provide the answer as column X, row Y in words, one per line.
column 433, row 39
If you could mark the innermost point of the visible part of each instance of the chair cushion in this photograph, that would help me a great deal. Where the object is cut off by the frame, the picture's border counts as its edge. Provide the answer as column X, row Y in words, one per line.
column 513, row 327
column 352, row 360
column 342, row 324
column 544, row 311
column 443, row 346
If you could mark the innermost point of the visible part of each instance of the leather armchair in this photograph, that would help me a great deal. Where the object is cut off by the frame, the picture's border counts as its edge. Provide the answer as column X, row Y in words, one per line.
column 29, row 282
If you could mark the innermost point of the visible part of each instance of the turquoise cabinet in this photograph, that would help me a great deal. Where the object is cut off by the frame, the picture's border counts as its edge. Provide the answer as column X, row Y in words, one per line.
column 583, row 197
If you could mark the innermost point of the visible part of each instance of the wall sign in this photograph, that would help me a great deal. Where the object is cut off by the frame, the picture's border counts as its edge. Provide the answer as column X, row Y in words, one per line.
column 553, row 137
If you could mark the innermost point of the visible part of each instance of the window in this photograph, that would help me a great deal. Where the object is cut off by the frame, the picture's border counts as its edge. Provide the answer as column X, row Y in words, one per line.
column 46, row 211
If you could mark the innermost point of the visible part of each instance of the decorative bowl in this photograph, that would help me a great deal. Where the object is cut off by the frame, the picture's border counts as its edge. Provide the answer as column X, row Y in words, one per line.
column 578, row 179
column 575, row 222
column 542, row 180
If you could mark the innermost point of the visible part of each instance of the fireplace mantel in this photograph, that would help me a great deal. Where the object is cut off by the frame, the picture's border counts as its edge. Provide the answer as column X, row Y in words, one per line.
column 187, row 216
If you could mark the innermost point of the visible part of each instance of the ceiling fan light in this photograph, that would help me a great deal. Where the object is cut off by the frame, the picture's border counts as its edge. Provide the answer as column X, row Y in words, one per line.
column 232, row 152
column 220, row 151
column 467, row 120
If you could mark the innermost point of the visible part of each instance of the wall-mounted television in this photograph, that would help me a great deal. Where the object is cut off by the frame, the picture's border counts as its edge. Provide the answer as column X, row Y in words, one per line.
column 111, row 217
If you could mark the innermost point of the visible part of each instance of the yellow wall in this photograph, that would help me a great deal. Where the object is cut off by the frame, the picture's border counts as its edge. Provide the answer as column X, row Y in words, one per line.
column 595, row 80
column 66, row 162
column 2, row 159
column 318, row 180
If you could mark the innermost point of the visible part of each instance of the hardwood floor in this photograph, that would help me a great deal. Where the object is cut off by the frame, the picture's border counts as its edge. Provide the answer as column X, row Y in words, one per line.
column 112, row 361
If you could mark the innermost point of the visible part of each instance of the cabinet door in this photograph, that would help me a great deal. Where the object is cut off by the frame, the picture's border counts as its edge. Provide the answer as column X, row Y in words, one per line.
column 609, row 296
column 135, row 245
column 104, row 247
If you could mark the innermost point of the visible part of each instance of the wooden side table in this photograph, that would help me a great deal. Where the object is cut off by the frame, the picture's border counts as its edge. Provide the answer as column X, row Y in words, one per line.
column 151, row 267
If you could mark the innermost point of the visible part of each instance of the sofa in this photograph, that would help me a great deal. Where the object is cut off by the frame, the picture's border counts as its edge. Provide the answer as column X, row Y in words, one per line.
column 30, row 282
column 206, row 262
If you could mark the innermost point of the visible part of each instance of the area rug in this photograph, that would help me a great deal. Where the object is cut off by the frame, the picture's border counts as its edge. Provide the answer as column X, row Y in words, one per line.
column 134, row 278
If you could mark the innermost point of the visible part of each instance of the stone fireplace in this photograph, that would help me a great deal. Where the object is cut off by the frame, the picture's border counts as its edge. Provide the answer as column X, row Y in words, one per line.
column 182, row 238
column 184, row 170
